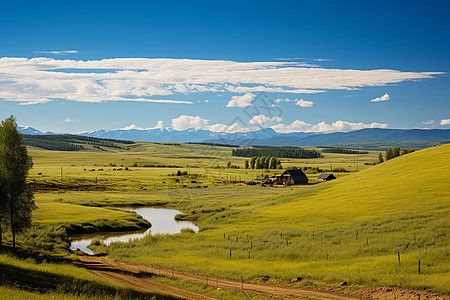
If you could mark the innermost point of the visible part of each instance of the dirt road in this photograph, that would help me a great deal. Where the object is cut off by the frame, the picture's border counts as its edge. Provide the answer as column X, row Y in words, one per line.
column 140, row 277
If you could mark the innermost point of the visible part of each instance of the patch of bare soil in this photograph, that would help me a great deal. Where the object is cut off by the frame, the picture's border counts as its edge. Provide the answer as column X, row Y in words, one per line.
column 389, row 293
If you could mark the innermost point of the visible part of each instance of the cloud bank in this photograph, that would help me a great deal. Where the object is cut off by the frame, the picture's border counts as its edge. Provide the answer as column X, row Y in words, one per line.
column 184, row 122
column 41, row 79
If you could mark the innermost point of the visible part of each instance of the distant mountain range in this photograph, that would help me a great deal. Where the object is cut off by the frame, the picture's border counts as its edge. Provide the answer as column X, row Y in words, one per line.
column 360, row 136
column 267, row 137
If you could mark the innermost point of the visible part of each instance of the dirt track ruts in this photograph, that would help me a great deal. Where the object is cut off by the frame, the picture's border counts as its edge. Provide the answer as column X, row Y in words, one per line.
column 109, row 268
column 131, row 275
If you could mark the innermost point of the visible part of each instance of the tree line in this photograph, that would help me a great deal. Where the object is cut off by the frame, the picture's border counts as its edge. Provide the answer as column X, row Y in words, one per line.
column 279, row 152
column 342, row 151
column 263, row 162
column 392, row 153
column 68, row 142
column 16, row 196
column 214, row 144
column 48, row 144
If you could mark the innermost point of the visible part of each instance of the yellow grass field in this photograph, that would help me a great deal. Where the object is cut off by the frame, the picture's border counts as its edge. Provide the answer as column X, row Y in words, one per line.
column 350, row 229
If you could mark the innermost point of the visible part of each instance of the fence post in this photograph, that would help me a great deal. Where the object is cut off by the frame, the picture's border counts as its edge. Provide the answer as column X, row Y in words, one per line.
column 242, row 284
column 398, row 254
column 419, row 266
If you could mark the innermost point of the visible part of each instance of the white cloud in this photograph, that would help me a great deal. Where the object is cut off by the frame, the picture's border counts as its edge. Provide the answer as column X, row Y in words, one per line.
column 445, row 122
column 322, row 59
column 233, row 128
column 184, row 122
column 31, row 101
column 68, row 120
column 159, row 125
column 284, row 100
column 64, row 52
column 296, row 126
column 139, row 79
column 301, row 126
column 385, row 97
column 304, row 103
column 241, row 101
column 428, row 122
column 264, row 121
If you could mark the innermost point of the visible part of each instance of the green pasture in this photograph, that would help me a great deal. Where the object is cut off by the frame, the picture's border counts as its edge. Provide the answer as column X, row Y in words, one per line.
column 157, row 162
column 351, row 229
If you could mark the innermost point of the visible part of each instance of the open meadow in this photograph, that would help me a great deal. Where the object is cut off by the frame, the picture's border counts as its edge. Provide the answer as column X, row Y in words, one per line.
column 370, row 227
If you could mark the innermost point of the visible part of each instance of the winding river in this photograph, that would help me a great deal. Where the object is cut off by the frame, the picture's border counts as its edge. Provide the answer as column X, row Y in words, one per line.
column 162, row 220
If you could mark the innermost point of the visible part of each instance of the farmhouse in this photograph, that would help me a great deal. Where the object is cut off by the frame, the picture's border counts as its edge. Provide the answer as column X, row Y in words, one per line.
column 326, row 177
column 290, row 177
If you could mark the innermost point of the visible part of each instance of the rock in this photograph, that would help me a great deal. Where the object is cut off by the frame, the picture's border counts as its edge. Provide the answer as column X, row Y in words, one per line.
column 296, row 279
column 266, row 278
column 344, row 283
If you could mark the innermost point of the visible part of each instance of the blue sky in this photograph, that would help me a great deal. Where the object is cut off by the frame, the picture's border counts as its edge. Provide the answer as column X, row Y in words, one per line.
column 87, row 65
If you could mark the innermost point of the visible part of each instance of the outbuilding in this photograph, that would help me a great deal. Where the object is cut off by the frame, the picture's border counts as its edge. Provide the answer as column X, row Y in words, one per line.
column 326, row 177
column 290, row 177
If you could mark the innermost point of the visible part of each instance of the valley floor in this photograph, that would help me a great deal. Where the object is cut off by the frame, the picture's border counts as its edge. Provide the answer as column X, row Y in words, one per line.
column 368, row 229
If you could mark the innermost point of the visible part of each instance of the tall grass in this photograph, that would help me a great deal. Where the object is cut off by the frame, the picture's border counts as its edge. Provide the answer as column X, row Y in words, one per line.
column 351, row 229
column 59, row 280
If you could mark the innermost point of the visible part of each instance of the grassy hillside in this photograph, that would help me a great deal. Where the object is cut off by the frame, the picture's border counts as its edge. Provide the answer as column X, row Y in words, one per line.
column 30, row 279
column 407, row 182
column 351, row 229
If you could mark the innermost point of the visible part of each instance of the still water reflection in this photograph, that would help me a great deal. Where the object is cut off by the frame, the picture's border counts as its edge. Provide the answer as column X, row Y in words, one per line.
column 162, row 220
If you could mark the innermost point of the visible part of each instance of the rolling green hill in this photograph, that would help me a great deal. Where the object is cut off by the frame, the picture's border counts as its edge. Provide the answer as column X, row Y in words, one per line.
column 352, row 229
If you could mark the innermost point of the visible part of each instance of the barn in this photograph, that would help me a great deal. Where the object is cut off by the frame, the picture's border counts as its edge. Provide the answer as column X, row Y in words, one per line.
column 290, row 177
column 326, row 177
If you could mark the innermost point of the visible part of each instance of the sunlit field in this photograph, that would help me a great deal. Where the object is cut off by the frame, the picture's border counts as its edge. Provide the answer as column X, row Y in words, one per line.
column 351, row 229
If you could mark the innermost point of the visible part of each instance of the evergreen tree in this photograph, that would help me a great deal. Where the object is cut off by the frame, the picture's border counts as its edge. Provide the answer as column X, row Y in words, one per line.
column 380, row 158
column 396, row 152
column 16, row 197
column 273, row 163
column 258, row 163
column 252, row 162
column 246, row 164
column 406, row 151
column 389, row 154
column 263, row 162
